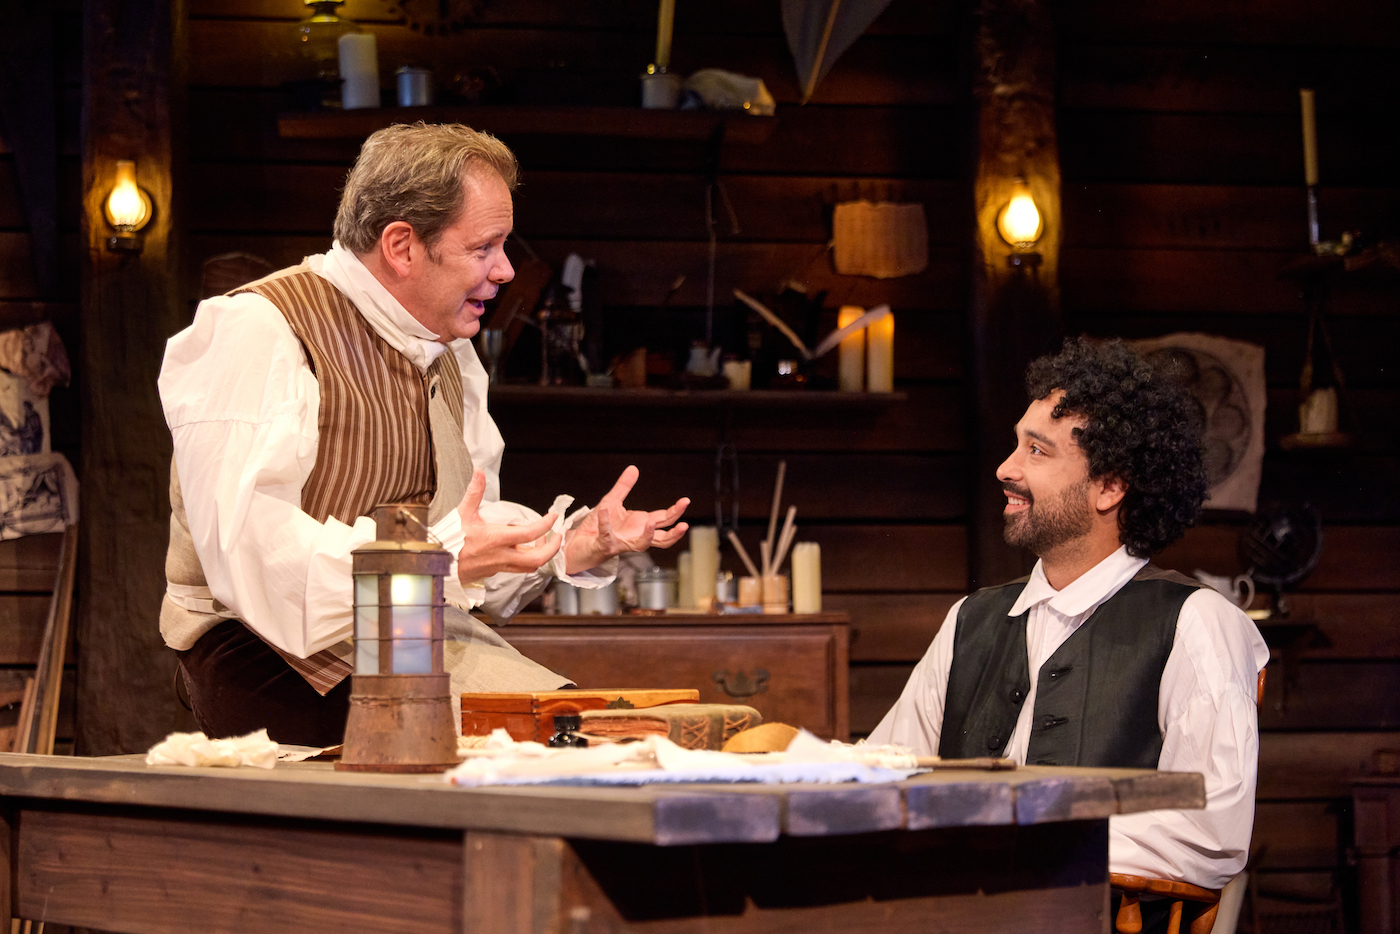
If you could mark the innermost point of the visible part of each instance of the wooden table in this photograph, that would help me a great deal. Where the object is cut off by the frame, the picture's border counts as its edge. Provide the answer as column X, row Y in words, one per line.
column 115, row 845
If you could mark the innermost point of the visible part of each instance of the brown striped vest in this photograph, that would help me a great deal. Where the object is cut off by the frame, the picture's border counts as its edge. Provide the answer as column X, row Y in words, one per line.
column 377, row 420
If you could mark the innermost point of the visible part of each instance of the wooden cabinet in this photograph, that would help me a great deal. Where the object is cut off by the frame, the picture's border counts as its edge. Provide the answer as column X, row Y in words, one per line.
column 1376, row 811
column 790, row 668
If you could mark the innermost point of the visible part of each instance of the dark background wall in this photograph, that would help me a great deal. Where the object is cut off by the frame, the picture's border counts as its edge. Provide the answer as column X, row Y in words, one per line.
column 1182, row 198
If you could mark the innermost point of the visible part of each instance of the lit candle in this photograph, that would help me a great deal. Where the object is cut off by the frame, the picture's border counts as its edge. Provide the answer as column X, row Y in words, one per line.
column 665, row 20
column 806, row 577
column 1309, row 135
column 851, row 369
column 359, row 70
column 879, row 355
column 704, row 562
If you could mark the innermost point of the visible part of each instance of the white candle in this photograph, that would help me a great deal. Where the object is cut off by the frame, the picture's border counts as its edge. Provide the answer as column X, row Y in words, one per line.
column 359, row 71
column 879, row 355
column 851, row 369
column 665, row 20
column 806, row 577
column 685, row 593
column 704, row 562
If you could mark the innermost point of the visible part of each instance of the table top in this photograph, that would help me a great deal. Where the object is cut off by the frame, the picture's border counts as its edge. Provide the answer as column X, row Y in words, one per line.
column 659, row 814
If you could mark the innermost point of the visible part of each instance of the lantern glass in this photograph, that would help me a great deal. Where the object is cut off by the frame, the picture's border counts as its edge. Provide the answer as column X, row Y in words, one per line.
column 367, row 624
column 1019, row 222
column 412, row 599
column 127, row 207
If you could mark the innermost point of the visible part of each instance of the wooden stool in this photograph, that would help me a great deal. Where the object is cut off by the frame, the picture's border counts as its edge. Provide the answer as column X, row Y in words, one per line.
column 1129, row 917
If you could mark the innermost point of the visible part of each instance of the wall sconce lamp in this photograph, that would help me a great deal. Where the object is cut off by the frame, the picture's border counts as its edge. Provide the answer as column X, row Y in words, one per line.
column 400, row 701
column 1020, row 225
column 127, row 209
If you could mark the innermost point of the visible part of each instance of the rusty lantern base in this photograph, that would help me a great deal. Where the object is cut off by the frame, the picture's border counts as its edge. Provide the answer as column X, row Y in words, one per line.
column 400, row 723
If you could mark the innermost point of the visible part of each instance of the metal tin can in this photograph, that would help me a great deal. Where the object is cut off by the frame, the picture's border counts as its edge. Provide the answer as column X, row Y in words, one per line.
column 656, row 588
column 415, row 86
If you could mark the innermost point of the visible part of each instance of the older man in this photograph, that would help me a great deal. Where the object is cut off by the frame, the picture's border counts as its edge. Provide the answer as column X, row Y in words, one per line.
column 1099, row 658
column 300, row 401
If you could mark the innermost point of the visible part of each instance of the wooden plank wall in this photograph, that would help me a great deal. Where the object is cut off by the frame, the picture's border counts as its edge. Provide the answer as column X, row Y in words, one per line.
column 881, row 488
column 1181, row 146
column 23, row 300
column 1182, row 197
column 28, row 565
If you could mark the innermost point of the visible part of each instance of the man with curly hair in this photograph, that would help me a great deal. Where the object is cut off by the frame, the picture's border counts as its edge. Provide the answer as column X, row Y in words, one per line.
column 1098, row 658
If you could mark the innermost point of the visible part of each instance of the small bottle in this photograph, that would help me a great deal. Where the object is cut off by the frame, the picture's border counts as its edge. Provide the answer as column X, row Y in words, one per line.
column 566, row 727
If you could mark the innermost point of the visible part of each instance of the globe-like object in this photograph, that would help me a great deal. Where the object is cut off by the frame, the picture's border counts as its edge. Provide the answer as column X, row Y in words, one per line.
column 1281, row 545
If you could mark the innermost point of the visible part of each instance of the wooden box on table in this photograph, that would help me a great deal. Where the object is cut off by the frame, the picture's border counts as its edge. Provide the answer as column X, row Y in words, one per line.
column 530, row 716
column 791, row 668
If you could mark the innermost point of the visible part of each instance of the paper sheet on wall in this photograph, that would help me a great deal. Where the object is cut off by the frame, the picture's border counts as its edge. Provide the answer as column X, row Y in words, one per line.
column 38, row 493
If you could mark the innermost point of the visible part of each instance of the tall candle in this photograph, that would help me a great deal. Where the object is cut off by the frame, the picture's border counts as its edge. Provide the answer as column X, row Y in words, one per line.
column 851, row 369
column 879, row 355
column 665, row 20
column 704, row 562
column 806, row 577
column 1309, row 134
column 359, row 71
column 685, row 573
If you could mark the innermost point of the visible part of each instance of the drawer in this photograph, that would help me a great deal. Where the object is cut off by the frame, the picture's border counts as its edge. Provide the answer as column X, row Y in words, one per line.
column 790, row 674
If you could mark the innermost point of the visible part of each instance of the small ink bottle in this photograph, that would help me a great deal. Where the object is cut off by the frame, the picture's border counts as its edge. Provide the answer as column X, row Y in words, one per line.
column 566, row 727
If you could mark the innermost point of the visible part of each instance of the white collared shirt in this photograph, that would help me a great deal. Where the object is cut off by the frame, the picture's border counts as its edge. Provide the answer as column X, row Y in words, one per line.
column 1205, row 710
column 242, row 405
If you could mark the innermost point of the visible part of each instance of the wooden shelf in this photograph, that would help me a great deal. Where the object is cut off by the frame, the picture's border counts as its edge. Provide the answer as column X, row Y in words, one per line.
column 685, row 398
column 526, row 120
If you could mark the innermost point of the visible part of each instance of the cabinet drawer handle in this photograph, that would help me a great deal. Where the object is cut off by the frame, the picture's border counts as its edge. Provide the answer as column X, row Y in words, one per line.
column 742, row 684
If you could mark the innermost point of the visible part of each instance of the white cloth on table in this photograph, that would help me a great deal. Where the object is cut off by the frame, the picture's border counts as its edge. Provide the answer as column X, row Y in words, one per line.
column 242, row 403
column 196, row 749
column 1205, row 710
column 657, row 760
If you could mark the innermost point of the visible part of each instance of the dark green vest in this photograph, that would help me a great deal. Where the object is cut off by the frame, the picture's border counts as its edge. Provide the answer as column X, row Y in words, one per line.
column 1096, row 700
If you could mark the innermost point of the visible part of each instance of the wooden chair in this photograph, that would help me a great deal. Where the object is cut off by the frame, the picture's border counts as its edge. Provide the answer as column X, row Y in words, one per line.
column 227, row 271
column 1204, row 903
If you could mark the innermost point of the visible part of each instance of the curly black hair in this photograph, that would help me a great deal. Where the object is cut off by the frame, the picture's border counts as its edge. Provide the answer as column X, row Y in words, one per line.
column 1143, row 428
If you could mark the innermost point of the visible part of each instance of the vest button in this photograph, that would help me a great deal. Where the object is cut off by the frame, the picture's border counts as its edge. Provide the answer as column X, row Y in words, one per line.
column 1016, row 696
column 994, row 743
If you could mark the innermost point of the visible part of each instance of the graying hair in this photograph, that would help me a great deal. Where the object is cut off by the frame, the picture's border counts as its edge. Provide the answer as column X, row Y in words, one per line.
column 414, row 174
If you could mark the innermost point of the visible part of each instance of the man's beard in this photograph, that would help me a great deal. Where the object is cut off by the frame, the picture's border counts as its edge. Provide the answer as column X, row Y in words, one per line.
column 1043, row 527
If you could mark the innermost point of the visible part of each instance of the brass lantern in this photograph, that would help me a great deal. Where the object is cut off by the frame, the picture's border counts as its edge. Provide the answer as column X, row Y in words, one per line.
column 400, row 700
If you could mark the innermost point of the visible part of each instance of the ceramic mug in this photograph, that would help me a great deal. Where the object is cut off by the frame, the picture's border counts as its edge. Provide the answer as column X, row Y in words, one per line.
column 1238, row 590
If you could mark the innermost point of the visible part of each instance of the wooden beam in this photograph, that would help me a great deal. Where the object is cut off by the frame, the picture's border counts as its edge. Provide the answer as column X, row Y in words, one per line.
column 1014, row 309
column 131, row 79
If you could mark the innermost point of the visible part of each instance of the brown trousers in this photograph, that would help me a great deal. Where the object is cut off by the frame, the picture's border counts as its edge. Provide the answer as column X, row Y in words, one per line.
column 238, row 684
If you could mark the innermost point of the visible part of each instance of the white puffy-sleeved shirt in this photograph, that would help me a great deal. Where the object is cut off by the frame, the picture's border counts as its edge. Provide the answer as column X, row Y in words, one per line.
column 1205, row 710
column 242, row 404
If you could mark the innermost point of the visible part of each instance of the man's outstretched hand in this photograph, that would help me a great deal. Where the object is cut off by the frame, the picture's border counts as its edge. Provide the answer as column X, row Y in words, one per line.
column 611, row 528
column 488, row 548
